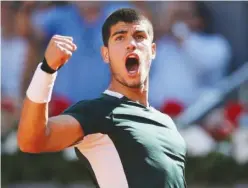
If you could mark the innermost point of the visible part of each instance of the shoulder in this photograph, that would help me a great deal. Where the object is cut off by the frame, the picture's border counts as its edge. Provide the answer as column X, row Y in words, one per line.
column 166, row 119
column 213, row 40
column 96, row 107
column 86, row 105
column 93, row 115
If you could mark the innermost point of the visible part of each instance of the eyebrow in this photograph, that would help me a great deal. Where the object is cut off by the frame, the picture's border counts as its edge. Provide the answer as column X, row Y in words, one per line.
column 139, row 31
column 124, row 32
column 119, row 32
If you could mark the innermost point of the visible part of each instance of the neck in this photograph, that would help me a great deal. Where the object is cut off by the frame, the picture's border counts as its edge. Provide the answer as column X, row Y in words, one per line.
column 139, row 95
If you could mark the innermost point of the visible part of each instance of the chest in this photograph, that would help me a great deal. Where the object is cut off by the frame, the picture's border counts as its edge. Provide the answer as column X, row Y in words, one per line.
column 147, row 131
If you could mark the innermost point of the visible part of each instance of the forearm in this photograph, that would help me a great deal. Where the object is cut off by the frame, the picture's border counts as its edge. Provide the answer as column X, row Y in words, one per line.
column 32, row 130
column 35, row 133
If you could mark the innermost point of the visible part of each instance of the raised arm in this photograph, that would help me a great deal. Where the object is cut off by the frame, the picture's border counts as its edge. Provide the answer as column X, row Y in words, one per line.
column 36, row 132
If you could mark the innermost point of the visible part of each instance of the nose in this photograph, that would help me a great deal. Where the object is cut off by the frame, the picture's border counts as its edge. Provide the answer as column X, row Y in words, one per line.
column 131, row 46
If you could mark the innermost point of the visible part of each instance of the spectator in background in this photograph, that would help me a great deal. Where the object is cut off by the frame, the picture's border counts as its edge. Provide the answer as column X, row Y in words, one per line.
column 14, row 49
column 158, row 10
column 189, row 60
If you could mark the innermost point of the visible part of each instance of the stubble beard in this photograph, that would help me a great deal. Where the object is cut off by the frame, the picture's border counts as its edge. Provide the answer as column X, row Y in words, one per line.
column 134, row 85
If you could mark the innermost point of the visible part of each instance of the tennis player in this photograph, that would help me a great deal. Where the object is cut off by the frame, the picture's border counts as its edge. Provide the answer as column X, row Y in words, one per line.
column 123, row 141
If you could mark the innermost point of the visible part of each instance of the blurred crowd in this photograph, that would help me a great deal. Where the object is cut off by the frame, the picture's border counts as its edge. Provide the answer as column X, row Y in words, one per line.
column 191, row 60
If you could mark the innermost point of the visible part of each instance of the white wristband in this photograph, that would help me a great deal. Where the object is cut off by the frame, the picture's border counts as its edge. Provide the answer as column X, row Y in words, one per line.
column 41, row 86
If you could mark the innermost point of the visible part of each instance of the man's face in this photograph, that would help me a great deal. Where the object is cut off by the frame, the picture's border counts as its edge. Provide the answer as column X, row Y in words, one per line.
column 130, row 52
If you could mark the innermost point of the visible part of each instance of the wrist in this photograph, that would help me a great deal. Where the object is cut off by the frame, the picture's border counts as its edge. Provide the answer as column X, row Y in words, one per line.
column 41, row 86
column 46, row 68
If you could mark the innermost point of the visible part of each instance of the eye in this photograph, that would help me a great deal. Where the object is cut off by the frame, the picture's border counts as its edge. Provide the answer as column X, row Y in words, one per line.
column 119, row 38
column 140, row 37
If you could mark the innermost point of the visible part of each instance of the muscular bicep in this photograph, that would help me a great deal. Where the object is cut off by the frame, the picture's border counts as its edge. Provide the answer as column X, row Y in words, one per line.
column 62, row 132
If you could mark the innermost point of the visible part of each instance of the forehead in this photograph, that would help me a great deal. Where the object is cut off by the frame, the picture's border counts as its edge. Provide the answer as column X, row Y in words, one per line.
column 130, row 27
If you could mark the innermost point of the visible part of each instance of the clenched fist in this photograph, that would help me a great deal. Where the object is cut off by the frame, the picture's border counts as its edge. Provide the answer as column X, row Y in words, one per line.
column 59, row 51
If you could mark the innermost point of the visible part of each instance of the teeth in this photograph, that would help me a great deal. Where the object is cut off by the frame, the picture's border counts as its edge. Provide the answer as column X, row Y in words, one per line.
column 132, row 56
column 132, row 72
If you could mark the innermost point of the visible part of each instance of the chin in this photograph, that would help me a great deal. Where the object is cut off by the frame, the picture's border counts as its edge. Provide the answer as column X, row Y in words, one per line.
column 131, row 81
column 135, row 83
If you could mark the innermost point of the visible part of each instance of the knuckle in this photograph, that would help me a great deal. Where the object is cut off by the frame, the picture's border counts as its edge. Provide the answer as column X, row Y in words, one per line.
column 57, row 46
column 54, row 43
column 54, row 37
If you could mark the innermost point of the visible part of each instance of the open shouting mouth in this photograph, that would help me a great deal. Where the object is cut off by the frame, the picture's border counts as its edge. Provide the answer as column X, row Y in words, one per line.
column 132, row 64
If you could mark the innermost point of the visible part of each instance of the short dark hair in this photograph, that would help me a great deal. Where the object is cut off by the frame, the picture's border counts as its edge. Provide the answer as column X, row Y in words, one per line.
column 126, row 15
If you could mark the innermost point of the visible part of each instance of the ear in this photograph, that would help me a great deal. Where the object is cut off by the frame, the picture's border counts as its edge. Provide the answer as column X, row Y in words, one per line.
column 105, row 54
column 153, row 50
